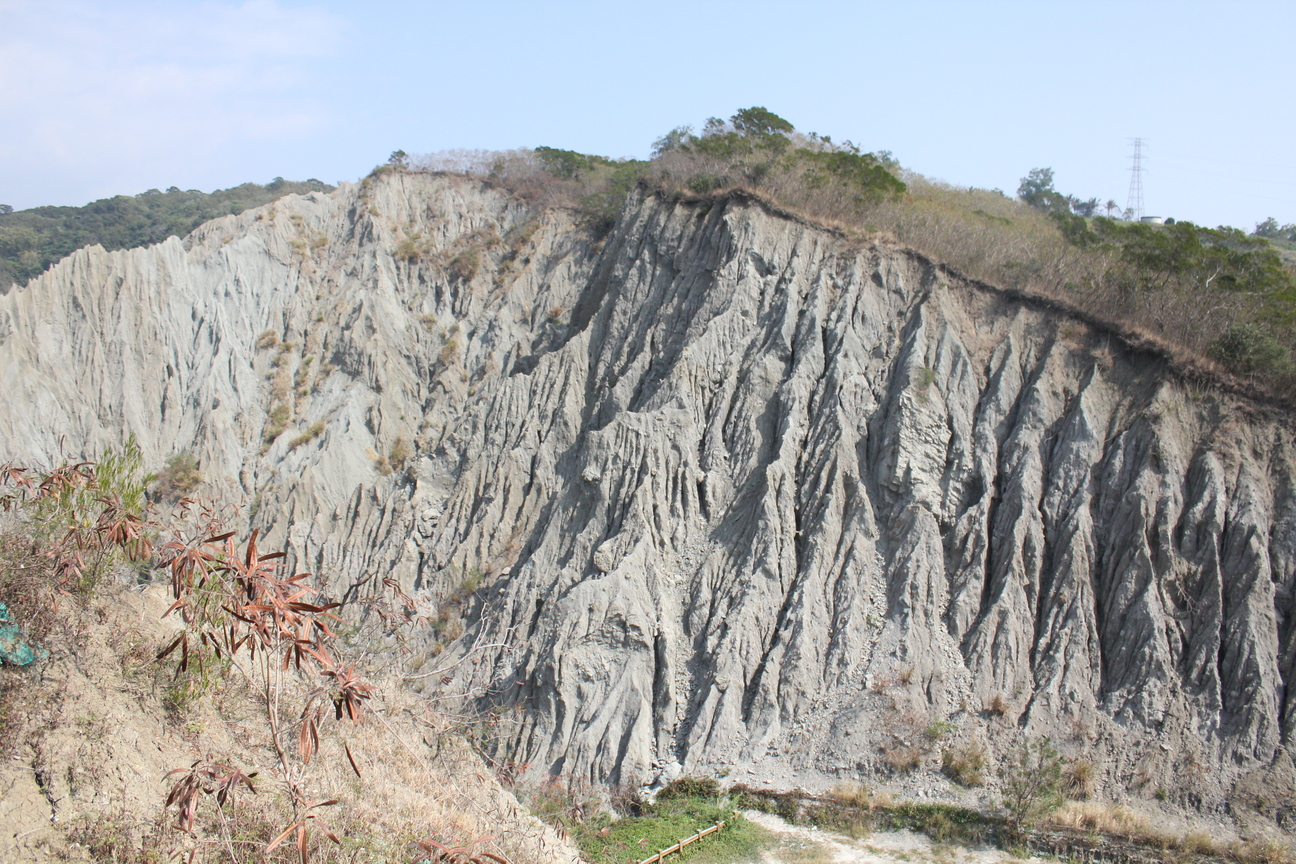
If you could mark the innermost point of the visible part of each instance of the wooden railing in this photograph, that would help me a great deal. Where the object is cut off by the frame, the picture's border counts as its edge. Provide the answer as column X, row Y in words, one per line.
column 679, row 847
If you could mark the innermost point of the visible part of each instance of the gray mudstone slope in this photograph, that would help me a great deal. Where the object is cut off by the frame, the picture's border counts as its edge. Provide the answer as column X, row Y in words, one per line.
column 739, row 491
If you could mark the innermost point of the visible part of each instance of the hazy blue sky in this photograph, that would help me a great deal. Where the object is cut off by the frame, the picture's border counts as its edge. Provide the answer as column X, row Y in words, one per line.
column 101, row 98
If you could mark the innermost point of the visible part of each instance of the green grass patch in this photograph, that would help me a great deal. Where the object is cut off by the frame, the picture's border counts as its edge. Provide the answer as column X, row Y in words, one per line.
column 631, row 839
column 943, row 823
column 680, row 811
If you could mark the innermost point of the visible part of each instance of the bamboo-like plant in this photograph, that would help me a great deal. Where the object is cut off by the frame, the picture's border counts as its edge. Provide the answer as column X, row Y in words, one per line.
column 84, row 518
column 241, row 611
column 244, row 610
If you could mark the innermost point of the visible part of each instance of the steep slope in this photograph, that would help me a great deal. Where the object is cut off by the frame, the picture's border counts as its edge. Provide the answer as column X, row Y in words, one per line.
column 740, row 490
column 92, row 734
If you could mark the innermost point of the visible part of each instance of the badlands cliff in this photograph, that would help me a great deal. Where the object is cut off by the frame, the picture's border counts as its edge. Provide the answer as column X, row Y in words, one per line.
column 734, row 491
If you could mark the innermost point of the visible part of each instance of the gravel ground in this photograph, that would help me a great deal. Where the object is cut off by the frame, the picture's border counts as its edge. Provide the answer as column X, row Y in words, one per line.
column 803, row 845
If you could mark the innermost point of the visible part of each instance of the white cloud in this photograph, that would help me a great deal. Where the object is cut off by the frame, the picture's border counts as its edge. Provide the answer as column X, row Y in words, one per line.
column 97, row 88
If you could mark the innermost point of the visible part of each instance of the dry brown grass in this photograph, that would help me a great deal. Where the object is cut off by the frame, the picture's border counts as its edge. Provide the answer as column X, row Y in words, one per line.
column 1260, row 852
column 1200, row 843
column 902, row 759
column 1114, row 819
column 1079, row 779
column 852, row 794
column 964, row 765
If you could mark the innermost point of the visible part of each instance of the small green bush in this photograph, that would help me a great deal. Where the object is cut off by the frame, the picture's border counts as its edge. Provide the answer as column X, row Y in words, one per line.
column 78, row 522
column 690, row 787
column 964, row 765
column 923, row 381
column 465, row 264
column 938, row 729
column 411, row 248
column 861, row 175
column 315, row 430
column 1247, row 350
column 276, row 423
column 180, row 477
column 399, row 454
column 1032, row 781
column 704, row 183
column 448, row 351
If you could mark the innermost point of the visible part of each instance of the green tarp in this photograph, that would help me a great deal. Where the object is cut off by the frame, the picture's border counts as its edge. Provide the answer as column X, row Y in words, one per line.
column 14, row 649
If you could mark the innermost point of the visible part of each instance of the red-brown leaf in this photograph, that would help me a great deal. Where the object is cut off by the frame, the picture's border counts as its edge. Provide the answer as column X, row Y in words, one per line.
column 351, row 759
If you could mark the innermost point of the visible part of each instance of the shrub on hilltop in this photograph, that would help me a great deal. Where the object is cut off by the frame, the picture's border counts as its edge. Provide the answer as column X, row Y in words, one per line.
column 1212, row 297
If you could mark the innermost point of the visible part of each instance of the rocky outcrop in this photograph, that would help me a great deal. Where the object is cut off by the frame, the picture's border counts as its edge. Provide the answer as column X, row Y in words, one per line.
column 732, row 489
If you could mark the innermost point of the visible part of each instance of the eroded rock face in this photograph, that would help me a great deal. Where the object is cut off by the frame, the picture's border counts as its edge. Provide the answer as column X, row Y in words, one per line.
column 742, row 491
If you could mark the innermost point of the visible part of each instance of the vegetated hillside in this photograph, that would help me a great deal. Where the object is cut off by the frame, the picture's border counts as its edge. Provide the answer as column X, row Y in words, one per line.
column 168, row 696
column 32, row 240
column 1287, row 249
column 1215, row 297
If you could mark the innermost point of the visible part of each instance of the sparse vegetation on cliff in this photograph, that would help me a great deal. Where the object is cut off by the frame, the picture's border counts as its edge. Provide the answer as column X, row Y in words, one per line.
column 1216, row 298
column 179, row 478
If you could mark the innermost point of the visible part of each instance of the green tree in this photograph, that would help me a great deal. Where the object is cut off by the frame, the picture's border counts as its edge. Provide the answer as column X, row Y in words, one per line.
column 1268, row 228
column 1032, row 781
column 1086, row 209
column 1248, row 350
column 760, row 122
column 1074, row 228
column 568, row 164
column 862, row 173
column 673, row 140
column 1037, row 190
column 1271, row 230
column 1184, row 256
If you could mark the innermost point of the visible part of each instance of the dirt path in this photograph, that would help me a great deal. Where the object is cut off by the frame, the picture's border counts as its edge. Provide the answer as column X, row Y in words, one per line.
column 802, row 845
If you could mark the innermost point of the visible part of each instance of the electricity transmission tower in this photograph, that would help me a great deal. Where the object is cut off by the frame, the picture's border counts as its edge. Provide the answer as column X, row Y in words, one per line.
column 1134, row 203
